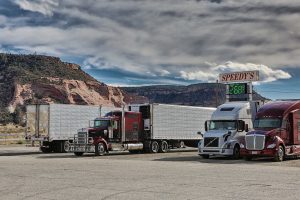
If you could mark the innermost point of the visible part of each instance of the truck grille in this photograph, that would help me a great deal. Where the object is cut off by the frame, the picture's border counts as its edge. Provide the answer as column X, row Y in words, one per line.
column 211, row 142
column 255, row 142
column 81, row 138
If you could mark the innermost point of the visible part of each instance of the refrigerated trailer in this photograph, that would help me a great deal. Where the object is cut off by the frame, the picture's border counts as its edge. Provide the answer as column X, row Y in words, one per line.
column 147, row 128
column 52, row 125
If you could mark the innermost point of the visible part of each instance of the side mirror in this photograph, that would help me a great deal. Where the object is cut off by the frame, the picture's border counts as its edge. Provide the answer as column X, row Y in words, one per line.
column 199, row 133
column 91, row 124
column 241, row 126
column 247, row 128
column 105, row 132
column 115, row 125
column 205, row 125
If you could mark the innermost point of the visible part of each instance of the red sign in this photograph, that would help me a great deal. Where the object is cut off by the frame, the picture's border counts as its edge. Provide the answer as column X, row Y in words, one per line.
column 246, row 76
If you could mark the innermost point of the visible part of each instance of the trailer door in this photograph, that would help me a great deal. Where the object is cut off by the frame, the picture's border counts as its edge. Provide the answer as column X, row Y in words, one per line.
column 37, row 121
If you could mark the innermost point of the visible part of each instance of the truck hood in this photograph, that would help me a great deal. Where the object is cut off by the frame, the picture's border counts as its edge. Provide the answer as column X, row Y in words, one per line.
column 217, row 133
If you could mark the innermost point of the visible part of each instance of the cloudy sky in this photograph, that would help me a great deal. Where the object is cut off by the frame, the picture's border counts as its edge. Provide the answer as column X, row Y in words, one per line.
column 142, row 42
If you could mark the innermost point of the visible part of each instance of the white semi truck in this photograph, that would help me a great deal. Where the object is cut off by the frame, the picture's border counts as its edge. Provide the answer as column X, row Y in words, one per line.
column 228, row 124
column 52, row 125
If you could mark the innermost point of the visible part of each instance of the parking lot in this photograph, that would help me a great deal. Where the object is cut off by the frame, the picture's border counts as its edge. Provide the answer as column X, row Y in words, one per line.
column 27, row 174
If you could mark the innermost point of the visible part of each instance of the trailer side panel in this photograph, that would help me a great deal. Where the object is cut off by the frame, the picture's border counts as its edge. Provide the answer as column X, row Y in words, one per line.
column 176, row 122
column 65, row 120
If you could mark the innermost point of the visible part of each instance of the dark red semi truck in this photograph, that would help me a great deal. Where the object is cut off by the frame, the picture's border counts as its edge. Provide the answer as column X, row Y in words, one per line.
column 147, row 128
column 276, row 132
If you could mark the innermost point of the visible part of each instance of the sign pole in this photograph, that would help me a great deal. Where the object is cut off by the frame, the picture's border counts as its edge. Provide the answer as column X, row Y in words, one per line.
column 250, row 91
column 227, row 93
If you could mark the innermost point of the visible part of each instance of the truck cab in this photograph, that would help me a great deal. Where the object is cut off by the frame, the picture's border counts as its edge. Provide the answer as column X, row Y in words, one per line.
column 276, row 132
column 223, row 132
column 108, row 133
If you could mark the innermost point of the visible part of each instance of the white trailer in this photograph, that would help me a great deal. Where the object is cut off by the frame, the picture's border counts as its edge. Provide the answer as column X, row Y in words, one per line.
column 175, row 124
column 54, row 124
column 227, row 126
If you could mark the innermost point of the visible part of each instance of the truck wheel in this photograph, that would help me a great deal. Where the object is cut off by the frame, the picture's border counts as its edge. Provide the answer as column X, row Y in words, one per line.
column 100, row 149
column 154, row 147
column 66, row 146
column 205, row 156
column 248, row 158
column 279, row 154
column 163, row 147
column 236, row 152
column 78, row 153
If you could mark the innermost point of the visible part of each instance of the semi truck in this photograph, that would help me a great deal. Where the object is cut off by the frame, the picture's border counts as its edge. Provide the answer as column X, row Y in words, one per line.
column 144, row 128
column 230, row 122
column 52, row 125
column 276, row 132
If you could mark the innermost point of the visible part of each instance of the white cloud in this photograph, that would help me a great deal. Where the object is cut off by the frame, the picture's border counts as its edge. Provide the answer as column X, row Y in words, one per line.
column 198, row 75
column 163, row 39
column 3, row 20
column 266, row 73
column 164, row 73
column 45, row 7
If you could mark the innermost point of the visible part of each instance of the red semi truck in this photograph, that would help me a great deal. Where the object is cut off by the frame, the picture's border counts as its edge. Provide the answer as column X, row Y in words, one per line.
column 276, row 132
column 147, row 128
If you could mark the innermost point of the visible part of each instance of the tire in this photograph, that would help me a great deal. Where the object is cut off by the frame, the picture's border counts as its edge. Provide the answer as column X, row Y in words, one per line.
column 100, row 149
column 154, row 147
column 163, row 147
column 78, row 153
column 205, row 156
column 248, row 158
column 236, row 152
column 279, row 154
column 66, row 146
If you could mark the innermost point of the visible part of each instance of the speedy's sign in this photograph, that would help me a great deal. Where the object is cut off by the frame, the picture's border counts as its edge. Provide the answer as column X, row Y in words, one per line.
column 246, row 76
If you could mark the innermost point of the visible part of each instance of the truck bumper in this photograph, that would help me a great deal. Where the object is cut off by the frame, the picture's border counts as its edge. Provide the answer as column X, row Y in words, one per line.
column 258, row 153
column 215, row 151
column 87, row 148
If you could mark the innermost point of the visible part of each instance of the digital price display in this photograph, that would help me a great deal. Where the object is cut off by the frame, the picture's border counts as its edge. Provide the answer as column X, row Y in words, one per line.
column 237, row 88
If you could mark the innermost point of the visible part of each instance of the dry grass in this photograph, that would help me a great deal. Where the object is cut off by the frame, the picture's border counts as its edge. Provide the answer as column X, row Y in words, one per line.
column 12, row 134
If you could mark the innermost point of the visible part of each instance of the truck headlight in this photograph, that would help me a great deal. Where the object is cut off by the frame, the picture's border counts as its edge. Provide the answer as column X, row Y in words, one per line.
column 242, row 146
column 271, row 146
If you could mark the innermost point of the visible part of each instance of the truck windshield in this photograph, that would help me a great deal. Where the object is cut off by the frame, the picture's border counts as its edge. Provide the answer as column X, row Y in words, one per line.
column 101, row 123
column 267, row 123
column 222, row 125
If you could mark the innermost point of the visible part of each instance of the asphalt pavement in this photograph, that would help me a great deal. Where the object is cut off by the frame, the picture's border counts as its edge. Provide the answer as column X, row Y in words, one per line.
column 120, row 175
